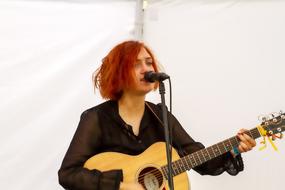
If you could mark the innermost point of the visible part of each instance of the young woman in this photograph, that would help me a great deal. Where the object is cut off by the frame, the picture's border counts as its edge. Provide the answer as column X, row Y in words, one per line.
column 127, row 124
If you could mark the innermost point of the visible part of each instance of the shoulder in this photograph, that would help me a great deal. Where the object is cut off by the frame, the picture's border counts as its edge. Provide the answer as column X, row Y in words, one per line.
column 157, row 108
column 104, row 107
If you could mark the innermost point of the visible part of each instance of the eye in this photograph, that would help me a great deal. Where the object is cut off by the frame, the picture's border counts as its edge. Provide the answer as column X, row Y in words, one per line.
column 148, row 61
column 138, row 64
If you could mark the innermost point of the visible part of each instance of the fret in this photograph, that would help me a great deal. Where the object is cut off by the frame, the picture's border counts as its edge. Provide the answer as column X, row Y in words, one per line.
column 180, row 168
column 184, row 164
column 217, row 150
column 211, row 153
column 225, row 147
column 175, row 168
column 199, row 157
column 250, row 134
column 256, row 133
column 220, row 147
column 229, row 145
column 236, row 141
column 208, row 153
column 213, row 149
column 201, row 153
column 187, row 161
column 193, row 159
column 195, row 153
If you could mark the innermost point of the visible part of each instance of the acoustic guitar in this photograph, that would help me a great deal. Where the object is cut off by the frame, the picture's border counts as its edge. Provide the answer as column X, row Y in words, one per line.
column 150, row 167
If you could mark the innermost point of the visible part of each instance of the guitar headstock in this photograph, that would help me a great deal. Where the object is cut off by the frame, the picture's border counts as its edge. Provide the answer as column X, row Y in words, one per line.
column 274, row 123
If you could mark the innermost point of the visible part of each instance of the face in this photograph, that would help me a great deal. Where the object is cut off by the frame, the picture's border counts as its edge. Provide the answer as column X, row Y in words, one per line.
column 142, row 65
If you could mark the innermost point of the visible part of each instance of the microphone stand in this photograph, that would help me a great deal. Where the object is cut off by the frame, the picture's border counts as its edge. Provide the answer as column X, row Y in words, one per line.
column 166, row 134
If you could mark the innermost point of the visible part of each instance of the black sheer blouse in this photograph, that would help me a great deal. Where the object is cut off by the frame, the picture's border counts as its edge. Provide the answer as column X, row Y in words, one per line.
column 101, row 129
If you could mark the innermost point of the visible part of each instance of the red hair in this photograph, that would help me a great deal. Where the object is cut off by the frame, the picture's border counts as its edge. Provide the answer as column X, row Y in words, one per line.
column 117, row 69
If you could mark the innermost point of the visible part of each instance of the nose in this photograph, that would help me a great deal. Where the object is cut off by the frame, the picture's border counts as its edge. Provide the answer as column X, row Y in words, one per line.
column 146, row 67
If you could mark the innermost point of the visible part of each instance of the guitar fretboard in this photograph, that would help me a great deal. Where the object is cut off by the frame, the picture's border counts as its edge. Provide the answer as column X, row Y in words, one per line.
column 199, row 157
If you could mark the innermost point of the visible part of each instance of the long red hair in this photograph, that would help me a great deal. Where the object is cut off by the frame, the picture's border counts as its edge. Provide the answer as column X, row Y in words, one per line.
column 117, row 69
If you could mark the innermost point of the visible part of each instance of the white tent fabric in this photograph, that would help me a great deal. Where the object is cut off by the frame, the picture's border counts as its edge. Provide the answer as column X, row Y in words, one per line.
column 225, row 59
column 48, row 53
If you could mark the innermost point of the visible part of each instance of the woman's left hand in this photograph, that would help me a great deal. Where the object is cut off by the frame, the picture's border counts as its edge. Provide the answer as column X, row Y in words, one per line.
column 246, row 142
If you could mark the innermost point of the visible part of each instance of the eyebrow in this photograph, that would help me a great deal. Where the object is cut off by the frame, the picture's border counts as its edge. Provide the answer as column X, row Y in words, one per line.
column 144, row 58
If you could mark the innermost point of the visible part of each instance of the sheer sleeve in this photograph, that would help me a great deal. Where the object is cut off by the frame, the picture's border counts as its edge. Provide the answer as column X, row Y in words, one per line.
column 86, row 143
column 186, row 145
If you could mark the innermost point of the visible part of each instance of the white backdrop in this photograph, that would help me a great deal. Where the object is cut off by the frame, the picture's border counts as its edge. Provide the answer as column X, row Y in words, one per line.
column 49, row 51
column 225, row 59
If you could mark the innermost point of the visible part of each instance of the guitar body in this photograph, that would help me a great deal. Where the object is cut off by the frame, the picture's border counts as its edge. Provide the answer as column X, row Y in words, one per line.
column 144, row 168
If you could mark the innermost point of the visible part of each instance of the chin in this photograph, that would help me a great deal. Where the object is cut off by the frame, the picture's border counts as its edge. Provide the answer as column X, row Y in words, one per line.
column 144, row 91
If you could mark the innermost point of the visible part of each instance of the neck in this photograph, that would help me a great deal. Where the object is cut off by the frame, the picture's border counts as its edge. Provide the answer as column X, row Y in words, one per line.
column 131, row 104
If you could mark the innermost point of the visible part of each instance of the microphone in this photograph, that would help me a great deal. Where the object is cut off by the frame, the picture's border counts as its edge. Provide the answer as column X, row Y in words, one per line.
column 152, row 76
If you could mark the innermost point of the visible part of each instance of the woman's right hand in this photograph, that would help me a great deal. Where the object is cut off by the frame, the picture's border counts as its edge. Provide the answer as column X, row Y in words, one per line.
column 131, row 186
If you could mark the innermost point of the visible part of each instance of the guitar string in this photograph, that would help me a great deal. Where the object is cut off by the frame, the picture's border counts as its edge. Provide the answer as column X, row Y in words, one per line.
column 181, row 166
column 159, row 175
column 158, row 172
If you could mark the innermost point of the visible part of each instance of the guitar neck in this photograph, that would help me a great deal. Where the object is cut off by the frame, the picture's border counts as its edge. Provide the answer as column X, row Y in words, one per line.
column 199, row 157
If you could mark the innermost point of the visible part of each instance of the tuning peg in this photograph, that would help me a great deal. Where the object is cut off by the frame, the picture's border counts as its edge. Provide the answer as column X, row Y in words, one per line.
column 275, row 114
column 262, row 118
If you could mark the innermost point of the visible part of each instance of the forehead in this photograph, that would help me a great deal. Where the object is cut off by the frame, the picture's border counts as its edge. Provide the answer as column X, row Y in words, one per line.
column 143, row 54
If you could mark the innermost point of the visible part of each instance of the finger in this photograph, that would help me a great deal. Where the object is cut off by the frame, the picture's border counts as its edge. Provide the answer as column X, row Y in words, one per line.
column 241, row 131
column 250, row 142
column 244, row 137
column 243, row 147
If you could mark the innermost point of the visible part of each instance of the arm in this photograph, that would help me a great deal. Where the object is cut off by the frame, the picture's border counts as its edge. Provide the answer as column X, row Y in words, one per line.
column 186, row 145
column 85, row 143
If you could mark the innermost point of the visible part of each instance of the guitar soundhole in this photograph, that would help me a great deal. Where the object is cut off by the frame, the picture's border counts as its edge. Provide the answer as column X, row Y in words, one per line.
column 150, row 178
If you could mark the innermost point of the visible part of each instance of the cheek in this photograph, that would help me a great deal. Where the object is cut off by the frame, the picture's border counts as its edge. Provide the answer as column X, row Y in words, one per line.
column 152, row 68
column 139, row 73
column 135, row 78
